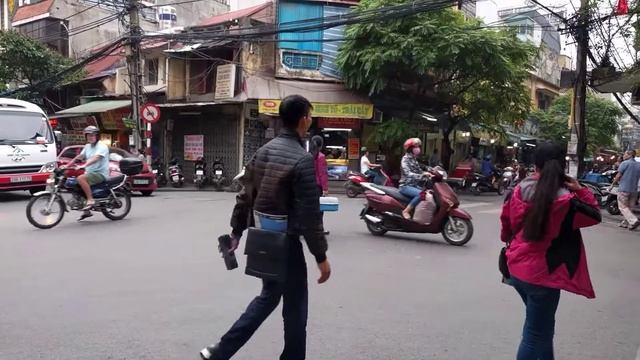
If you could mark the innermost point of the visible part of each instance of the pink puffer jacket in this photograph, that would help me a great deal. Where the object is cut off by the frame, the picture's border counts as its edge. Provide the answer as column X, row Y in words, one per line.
column 558, row 260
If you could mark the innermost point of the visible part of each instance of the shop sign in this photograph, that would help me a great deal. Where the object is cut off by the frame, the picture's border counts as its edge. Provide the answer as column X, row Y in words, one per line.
column 225, row 81
column 129, row 123
column 339, row 123
column 356, row 111
column 354, row 148
column 74, row 137
column 193, row 147
column 79, row 123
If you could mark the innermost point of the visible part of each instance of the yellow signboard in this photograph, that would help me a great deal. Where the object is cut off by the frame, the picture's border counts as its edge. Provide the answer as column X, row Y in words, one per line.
column 350, row 111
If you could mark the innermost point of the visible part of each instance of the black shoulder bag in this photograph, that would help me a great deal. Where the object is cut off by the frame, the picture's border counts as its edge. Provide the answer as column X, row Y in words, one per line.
column 267, row 254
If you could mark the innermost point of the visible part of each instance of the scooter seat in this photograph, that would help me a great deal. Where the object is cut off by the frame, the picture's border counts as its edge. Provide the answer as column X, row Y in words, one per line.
column 115, row 180
column 394, row 193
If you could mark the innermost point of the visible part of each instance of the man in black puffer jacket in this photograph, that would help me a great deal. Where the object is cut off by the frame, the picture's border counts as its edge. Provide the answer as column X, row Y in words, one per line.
column 280, row 180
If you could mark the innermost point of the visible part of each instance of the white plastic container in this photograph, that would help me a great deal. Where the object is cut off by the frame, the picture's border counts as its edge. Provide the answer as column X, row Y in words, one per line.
column 328, row 203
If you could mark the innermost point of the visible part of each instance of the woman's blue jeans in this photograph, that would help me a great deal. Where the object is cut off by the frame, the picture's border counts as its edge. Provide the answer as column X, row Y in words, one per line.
column 537, row 335
column 411, row 192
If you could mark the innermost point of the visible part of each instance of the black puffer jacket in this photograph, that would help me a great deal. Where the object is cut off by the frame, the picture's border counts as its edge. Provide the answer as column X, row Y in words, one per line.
column 280, row 180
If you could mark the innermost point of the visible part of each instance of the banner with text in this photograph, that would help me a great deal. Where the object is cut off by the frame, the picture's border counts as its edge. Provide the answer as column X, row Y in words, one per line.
column 357, row 111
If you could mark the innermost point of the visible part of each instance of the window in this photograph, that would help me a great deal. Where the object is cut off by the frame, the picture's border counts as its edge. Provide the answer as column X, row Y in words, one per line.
column 151, row 72
column 71, row 152
column 525, row 30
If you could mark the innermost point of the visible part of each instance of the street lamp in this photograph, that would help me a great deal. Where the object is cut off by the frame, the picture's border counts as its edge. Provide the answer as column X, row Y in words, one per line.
column 68, row 38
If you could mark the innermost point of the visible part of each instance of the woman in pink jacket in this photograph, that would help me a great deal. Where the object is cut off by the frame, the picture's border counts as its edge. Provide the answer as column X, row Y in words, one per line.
column 320, row 160
column 541, row 221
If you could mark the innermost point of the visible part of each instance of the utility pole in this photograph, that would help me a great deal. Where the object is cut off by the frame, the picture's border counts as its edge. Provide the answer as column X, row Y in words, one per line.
column 578, row 143
column 134, row 61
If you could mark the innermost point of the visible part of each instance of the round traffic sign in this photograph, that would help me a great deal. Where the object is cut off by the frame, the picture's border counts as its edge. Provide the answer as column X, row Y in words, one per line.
column 150, row 113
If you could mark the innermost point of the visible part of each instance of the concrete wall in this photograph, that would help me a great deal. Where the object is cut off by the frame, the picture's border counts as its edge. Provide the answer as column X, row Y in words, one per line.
column 188, row 14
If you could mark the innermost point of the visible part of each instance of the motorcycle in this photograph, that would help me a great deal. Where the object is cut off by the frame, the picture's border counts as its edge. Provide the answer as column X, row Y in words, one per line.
column 113, row 198
column 383, row 213
column 355, row 180
column 508, row 177
column 481, row 183
column 158, row 170
column 218, row 178
column 200, row 175
column 610, row 200
column 175, row 174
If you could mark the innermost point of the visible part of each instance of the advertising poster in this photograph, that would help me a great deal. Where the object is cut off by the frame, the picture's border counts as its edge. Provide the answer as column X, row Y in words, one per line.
column 193, row 147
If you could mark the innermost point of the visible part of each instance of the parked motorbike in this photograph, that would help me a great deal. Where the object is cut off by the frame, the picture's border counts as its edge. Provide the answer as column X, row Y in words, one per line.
column 175, row 173
column 200, row 174
column 113, row 199
column 508, row 177
column 218, row 178
column 481, row 183
column 158, row 170
column 383, row 212
column 355, row 180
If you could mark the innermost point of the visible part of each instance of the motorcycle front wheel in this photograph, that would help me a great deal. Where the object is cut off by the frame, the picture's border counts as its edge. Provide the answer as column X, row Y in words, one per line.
column 457, row 232
column 352, row 191
column 45, row 211
column 118, row 207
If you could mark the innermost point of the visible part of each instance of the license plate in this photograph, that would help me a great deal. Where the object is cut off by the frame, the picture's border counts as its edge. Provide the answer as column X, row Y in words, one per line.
column 199, row 172
column 218, row 172
column 175, row 178
column 154, row 171
column 19, row 179
column 140, row 182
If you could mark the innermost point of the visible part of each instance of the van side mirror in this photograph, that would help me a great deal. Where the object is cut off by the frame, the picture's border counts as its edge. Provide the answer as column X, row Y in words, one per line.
column 58, row 136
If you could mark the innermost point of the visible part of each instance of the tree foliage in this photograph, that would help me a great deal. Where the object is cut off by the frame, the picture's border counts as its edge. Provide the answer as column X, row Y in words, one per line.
column 602, row 117
column 25, row 61
column 474, row 74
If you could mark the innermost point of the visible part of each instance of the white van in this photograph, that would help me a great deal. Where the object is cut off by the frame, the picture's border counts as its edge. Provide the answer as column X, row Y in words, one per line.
column 27, row 146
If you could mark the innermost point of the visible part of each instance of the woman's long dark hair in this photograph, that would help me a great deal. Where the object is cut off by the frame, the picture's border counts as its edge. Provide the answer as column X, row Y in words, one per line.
column 549, row 159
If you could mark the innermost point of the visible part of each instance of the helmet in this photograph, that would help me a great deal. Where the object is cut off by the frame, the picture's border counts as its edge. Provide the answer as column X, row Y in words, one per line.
column 413, row 142
column 363, row 149
column 91, row 130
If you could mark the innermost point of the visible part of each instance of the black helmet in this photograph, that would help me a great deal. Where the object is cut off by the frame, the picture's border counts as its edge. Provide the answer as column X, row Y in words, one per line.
column 91, row 130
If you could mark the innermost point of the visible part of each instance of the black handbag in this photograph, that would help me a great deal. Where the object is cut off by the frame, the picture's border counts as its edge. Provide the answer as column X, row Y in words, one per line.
column 502, row 263
column 267, row 254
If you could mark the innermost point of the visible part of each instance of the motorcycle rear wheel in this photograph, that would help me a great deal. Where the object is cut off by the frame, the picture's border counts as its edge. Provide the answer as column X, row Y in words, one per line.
column 57, row 205
column 123, row 199
column 458, row 233
column 612, row 208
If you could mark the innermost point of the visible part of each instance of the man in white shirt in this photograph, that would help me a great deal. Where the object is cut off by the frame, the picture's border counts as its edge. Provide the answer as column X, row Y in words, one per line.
column 365, row 164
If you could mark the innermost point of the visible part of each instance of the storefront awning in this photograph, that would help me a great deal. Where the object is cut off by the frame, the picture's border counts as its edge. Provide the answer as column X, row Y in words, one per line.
column 96, row 107
column 317, row 92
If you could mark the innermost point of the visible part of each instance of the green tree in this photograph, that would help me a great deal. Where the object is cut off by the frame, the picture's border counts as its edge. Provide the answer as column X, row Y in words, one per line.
column 603, row 121
column 473, row 74
column 26, row 62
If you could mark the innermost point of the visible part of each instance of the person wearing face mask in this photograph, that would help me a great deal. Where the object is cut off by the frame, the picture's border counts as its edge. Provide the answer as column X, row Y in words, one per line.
column 413, row 178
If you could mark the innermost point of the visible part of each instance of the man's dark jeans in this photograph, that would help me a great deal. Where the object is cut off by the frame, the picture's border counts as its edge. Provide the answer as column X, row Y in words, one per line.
column 294, row 312
column 537, row 335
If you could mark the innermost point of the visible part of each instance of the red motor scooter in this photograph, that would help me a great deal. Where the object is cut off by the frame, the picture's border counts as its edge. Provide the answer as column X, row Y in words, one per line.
column 383, row 213
column 356, row 179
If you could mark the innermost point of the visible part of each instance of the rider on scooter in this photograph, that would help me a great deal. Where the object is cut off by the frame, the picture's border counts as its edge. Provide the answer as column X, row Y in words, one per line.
column 488, row 169
column 413, row 178
column 96, row 166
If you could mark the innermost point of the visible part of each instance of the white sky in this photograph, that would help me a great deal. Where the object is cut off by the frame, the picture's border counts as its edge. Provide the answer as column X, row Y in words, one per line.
column 241, row 4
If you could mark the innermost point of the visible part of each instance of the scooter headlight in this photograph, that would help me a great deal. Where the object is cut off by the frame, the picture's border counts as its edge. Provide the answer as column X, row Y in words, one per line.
column 48, row 167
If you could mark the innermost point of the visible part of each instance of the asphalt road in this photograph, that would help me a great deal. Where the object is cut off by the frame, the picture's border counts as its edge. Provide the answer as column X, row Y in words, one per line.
column 153, row 287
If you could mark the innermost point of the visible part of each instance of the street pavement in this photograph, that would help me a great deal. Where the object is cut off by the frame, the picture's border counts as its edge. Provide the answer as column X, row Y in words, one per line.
column 154, row 287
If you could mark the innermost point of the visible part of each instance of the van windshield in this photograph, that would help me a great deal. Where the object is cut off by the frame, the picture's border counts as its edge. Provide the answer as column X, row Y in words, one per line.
column 24, row 128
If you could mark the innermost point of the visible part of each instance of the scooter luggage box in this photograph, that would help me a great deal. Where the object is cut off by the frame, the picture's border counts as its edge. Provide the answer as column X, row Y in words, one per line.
column 329, row 203
column 130, row 166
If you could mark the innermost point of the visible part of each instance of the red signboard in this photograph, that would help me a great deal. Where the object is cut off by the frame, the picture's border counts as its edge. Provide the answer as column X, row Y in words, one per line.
column 338, row 123
column 354, row 148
